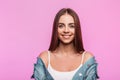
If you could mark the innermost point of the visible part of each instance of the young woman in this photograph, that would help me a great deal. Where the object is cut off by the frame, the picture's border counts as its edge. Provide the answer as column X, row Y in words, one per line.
column 66, row 58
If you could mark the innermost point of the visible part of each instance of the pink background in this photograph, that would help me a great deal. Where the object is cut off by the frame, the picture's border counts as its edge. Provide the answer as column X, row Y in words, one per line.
column 25, row 31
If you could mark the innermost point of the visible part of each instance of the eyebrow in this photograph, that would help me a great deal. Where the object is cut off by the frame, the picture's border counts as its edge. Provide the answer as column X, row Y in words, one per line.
column 64, row 24
column 71, row 23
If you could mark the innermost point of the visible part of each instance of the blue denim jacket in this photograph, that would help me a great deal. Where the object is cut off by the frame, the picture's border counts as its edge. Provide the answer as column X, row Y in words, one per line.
column 87, row 72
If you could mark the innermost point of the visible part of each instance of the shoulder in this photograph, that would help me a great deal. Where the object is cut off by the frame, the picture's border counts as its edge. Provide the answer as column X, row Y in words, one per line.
column 44, row 56
column 88, row 55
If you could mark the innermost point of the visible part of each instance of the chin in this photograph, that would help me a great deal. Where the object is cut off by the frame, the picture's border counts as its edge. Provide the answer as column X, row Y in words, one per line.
column 66, row 42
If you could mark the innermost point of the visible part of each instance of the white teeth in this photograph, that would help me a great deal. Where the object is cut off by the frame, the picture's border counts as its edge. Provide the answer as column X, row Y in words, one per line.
column 66, row 36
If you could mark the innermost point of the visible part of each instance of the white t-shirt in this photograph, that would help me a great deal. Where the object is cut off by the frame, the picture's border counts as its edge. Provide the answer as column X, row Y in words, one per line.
column 58, row 75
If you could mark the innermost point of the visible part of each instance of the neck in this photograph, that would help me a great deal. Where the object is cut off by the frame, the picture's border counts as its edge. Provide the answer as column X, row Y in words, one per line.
column 66, row 49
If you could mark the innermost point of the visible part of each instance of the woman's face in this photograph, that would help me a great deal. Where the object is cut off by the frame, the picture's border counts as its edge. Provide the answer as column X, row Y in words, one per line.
column 66, row 29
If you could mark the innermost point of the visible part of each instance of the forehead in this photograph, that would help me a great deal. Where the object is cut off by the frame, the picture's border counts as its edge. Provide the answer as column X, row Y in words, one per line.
column 66, row 18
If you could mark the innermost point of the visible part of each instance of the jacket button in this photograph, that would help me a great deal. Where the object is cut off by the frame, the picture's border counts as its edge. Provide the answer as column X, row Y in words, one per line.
column 88, row 65
column 80, row 74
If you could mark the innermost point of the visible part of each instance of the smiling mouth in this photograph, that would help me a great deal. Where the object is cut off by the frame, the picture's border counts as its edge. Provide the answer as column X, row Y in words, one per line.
column 66, row 36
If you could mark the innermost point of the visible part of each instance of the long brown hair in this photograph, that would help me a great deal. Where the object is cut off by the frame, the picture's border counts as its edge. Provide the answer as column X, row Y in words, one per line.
column 78, row 43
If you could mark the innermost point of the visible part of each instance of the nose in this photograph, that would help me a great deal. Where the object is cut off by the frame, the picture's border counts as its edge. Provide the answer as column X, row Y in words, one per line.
column 66, row 29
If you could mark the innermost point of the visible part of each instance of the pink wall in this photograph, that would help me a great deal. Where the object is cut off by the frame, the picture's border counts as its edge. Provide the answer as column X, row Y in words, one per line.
column 25, row 31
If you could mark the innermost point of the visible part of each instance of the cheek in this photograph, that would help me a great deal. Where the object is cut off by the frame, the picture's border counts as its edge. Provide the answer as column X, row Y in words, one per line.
column 73, row 31
column 59, row 31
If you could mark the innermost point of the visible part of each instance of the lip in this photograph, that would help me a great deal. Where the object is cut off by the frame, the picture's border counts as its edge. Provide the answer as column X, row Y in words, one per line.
column 66, row 36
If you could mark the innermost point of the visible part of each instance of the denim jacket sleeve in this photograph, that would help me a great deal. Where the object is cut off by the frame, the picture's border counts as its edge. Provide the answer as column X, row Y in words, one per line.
column 40, row 72
column 91, row 73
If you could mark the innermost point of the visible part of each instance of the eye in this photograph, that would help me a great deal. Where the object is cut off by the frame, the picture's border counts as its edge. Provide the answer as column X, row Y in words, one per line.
column 72, row 26
column 60, row 25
